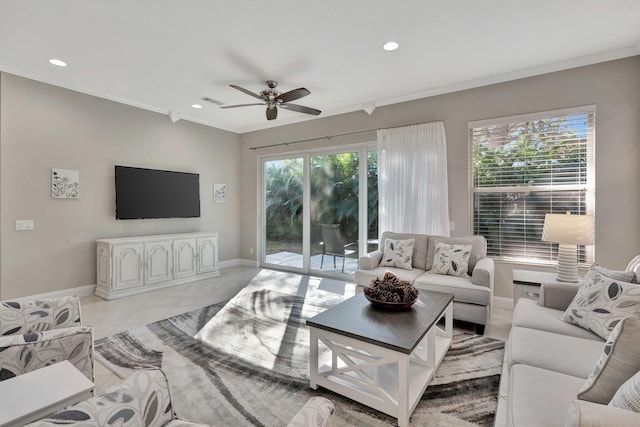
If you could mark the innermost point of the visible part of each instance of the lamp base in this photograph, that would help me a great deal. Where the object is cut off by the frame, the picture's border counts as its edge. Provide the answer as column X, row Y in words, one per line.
column 567, row 263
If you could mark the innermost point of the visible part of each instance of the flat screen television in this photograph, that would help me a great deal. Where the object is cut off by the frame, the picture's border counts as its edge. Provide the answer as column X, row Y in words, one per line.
column 150, row 193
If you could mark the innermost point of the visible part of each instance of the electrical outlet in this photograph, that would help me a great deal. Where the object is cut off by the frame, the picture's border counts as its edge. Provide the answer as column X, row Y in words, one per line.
column 24, row 224
column 250, row 251
column 452, row 225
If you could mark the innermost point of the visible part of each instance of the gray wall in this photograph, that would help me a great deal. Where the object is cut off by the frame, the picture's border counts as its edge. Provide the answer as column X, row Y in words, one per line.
column 44, row 127
column 613, row 86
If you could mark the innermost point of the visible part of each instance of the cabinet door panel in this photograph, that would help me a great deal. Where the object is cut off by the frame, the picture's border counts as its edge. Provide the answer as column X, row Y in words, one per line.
column 207, row 254
column 128, row 265
column 184, row 261
column 157, row 262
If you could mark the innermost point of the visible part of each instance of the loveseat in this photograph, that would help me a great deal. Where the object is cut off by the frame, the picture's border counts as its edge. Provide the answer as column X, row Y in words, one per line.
column 144, row 399
column 472, row 286
column 557, row 373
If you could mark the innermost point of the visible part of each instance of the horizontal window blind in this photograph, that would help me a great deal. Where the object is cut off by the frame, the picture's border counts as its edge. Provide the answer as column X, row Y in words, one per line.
column 525, row 167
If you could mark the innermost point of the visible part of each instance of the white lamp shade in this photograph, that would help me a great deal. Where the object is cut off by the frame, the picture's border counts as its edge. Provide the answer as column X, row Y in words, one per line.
column 569, row 229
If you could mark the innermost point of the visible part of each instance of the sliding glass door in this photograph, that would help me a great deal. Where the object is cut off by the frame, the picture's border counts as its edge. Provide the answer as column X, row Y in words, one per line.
column 283, row 213
column 314, row 205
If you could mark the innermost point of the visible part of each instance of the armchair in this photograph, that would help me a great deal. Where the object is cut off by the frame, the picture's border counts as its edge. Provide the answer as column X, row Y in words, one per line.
column 35, row 334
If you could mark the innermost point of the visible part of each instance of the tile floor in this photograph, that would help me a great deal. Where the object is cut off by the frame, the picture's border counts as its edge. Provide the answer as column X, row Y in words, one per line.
column 110, row 317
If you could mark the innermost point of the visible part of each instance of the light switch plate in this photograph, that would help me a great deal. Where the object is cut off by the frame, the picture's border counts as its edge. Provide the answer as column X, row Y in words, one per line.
column 24, row 224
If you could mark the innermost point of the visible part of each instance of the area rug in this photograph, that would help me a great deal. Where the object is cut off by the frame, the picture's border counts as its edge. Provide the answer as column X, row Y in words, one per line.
column 245, row 363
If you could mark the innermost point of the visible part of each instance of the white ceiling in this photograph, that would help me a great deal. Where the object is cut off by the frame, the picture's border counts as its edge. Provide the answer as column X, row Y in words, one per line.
column 165, row 55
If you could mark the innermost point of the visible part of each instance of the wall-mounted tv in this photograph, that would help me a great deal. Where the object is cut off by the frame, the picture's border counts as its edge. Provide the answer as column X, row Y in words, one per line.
column 150, row 193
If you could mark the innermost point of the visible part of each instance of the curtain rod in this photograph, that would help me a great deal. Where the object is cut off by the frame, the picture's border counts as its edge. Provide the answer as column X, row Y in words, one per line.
column 329, row 137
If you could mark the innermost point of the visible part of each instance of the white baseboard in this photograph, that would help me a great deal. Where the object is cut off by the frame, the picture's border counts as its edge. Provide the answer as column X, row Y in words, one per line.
column 238, row 262
column 81, row 291
column 503, row 302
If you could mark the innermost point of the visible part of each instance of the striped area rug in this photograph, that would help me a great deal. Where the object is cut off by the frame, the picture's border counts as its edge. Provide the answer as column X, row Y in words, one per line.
column 245, row 363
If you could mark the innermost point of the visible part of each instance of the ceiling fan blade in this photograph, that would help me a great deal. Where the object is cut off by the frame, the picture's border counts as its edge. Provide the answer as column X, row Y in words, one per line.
column 248, row 92
column 242, row 105
column 272, row 113
column 292, row 95
column 301, row 109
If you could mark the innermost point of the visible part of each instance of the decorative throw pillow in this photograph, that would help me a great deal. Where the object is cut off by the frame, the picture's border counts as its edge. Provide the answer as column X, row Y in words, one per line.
column 622, row 275
column 628, row 395
column 451, row 259
column 398, row 253
column 618, row 362
column 601, row 302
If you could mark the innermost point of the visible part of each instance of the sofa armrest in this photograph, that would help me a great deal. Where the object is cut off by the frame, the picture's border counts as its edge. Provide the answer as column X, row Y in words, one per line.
column 143, row 398
column 483, row 273
column 588, row 414
column 557, row 295
column 317, row 412
column 27, row 352
column 370, row 260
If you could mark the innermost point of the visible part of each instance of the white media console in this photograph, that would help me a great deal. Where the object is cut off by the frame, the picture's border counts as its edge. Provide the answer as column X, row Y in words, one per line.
column 132, row 265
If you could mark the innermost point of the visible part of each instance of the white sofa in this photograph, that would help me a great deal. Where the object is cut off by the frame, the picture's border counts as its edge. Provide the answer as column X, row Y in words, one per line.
column 472, row 295
column 547, row 361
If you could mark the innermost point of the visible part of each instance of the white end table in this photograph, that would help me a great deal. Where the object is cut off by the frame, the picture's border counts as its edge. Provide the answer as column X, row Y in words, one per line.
column 34, row 395
column 526, row 283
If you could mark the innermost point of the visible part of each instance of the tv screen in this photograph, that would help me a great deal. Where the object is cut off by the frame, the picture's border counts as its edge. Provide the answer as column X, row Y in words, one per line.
column 149, row 193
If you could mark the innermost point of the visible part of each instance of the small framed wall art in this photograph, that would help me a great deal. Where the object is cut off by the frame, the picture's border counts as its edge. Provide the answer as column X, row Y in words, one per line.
column 219, row 192
column 65, row 184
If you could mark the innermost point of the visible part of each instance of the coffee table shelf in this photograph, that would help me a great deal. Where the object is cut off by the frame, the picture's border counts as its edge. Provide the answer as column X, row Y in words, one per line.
column 381, row 359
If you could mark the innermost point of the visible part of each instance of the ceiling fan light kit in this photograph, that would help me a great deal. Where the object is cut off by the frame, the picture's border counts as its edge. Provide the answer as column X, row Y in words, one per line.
column 273, row 99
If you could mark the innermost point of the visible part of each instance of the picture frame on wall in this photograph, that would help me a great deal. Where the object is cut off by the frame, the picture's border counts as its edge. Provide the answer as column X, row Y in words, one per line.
column 65, row 184
column 219, row 192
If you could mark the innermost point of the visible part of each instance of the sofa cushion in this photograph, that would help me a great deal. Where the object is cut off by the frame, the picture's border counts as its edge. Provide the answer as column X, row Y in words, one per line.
column 527, row 313
column 461, row 288
column 452, row 260
column 28, row 352
column 398, row 253
column 601, row 302
column 38, row 315
column 364, row 277
column 538, row 397
column 618, row 362
column 478, row 248
column 628, row 395
column 419, row 258
column 560, row 353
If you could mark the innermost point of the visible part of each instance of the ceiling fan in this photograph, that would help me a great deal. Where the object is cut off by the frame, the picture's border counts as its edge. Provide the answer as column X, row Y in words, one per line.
column 273, row 99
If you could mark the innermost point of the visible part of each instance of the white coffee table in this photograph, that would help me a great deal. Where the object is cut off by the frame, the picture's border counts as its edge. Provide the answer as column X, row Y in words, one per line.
column 34, row 395
column 382, row 359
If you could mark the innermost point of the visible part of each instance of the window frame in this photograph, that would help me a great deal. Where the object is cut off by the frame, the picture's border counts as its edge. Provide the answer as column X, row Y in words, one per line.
column 588, row 187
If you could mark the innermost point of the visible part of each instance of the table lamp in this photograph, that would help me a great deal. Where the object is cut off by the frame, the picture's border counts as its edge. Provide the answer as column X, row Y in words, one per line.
column 568, row 231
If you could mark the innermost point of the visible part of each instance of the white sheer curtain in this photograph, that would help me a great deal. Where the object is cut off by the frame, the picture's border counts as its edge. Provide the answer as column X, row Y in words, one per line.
column 412, row 179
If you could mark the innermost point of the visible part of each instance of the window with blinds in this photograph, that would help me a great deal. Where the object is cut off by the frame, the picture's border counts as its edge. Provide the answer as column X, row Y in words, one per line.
column 525, row 166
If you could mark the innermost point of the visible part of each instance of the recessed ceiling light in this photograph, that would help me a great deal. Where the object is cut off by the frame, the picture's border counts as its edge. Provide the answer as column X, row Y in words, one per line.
column 58, row 62
column 390, row 46
column 197, row 106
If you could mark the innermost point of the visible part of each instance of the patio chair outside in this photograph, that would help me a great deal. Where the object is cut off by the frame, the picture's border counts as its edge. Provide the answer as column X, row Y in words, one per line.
column 335, row 244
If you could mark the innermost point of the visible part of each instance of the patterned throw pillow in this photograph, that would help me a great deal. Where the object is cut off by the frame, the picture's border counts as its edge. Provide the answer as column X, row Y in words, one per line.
column 628, row 395
column 622, row 275
column 398, row 253
column 618, row 362
column 601, row 302
column 451, row 259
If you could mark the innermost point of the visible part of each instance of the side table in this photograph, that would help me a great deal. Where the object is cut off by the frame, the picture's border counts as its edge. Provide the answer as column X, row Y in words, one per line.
column 526, row 283
column 36, row 394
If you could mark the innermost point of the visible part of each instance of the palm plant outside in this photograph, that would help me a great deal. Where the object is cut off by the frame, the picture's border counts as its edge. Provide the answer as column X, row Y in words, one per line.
column 333, row 194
